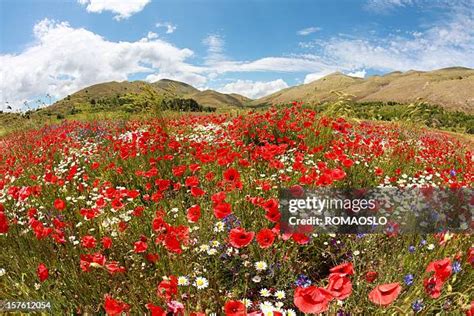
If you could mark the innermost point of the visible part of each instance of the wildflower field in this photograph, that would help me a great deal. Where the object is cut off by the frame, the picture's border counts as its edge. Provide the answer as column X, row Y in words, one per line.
column 180, row 216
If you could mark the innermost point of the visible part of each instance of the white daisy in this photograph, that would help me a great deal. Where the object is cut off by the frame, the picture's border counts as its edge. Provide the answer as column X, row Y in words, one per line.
column 201, row 283
column 183, row 281
column 265, row 292
column 280, row 295
column 261, row 265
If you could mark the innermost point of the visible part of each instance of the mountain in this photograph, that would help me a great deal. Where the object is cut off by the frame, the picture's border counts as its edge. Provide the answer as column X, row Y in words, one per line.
column 452, row 88
column 169, row 88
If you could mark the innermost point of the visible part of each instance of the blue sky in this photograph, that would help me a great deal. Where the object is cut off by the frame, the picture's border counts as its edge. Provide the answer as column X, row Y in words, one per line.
column 249, row 47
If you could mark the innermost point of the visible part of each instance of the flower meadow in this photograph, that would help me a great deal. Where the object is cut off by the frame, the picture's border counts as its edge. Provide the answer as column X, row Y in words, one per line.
column 179, row 215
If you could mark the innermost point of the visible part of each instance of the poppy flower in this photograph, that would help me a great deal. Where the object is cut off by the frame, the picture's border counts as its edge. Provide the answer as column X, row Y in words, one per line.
column 222, row 210
column 42, row 272
column 3, row 223
column 265, row 238
column 155, row 310
column 197, row 192
column 235, row 308
column 231, row 175
column 106, row 242
column 385, row 294
column 312, row 299
column 88, row 241
column 194, row 213
column 296, row 191
column 370, row 276
column 433, row 286
column 114, row 307
column 59, row 204
column 239, row 238
column 441, row 268
column 339, row 286
column 168, row 288
column 346, row 268
column 140, row 247
column 338, row 174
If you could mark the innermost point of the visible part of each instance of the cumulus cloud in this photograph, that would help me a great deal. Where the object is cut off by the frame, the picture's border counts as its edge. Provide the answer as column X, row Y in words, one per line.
column 253, row 89
column 123, row 8
column 170, row 28
column 316, row 75
column 64, row 59
column 308, row 30
column 358, row 73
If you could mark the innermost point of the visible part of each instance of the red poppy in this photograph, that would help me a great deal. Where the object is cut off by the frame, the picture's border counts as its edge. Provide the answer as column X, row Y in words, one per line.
column 152, row 257
column 346, row 268
column 155, row 310
column 113, row 307
column 114, row 267
column 239, row 238
column 192, row 181
column 197, row 192
column 222, row 210
column 59, row 204
column 385, row 294
column 338, row 174
column 168, row 288
column 42, row 272
column 194, row 213
column 441, row 268
column 140, row 247
column 88, row 241
column 231, row 175
column 235, row 308
column 3, row 223
column 433, row 286
column 106, row 242
column 370, row 276
column 265, row 238
column 470, row 256
column 339, row 286
column 312, row 299
column 296, row 191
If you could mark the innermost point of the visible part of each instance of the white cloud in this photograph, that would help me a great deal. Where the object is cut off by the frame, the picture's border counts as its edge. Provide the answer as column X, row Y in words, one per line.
column 254, row 89
column 64, row 59
column 170, row 28
column 316, row 75
column 215, row 48
column 358, row 73
column 151, row 35
column 386, row 5
column 448, row 43
column 123, row 8
column 308, row 30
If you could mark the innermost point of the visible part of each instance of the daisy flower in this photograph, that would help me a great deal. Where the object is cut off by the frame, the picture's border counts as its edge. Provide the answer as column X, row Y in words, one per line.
column 261, row 265
column 265, row 292
column 280, row 295
column 183, row 281
column 201, row 283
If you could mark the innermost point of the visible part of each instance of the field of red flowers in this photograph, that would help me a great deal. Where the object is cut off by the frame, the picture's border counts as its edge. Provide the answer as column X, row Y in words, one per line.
column 180, row 216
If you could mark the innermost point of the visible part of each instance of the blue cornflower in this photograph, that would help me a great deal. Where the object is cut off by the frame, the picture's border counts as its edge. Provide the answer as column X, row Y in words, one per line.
column 411, row 249
column 457, row 267
column 417, row 306
column 408, row 279
column 303, row 281
column 453, row 173
column 423, row 242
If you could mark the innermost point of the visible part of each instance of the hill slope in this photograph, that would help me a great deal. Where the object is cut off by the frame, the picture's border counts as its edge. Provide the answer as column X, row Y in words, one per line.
column 452, row 88
column 170, row 88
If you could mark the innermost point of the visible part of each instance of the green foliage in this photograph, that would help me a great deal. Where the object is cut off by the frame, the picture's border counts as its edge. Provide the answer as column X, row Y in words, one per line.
column 419, row 112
